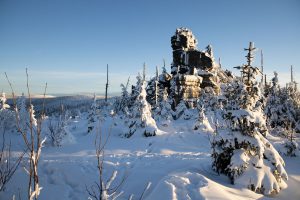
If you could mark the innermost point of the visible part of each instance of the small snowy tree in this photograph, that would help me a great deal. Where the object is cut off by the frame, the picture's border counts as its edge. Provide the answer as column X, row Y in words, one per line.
column 32, row 115
column 56, row 130
column 135, row 90
column 3, row 104
column 22, row 113
column 153, row 90
column 242, row 152
column 92, row 115
column 6, row 115
column 142, row 119
column 291, row 145
column 181, row 109
column 121, row 104
column 202, row 122
column 164, row 112
column 281, row 109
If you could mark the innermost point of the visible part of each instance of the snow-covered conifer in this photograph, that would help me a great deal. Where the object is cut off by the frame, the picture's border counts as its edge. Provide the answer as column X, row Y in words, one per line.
column 202, row 123
column 290, row 145
column 32, row 115
column 181, row 108
column 281, row 108
column 135, row 90
column 3, row 104
column 142, row 119
column 242, row 151
column 6, row 115
column 121, row 104
column 22, row 113
column 164, row 112
column 92, row 115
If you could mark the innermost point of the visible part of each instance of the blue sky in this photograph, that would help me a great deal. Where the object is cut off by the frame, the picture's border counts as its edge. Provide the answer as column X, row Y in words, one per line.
column 68, row 43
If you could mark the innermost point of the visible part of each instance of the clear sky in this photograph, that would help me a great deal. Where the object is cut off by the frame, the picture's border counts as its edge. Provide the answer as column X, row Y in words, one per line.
column 68, row 43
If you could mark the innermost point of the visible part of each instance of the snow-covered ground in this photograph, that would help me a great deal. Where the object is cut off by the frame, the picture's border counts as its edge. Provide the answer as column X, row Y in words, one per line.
column 176, row 162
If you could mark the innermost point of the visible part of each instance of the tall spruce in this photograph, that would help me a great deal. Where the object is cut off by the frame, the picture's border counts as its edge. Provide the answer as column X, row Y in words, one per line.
column 241, row 150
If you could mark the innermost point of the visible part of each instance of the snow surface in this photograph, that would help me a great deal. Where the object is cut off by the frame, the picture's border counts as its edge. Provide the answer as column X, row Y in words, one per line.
column 176, row 162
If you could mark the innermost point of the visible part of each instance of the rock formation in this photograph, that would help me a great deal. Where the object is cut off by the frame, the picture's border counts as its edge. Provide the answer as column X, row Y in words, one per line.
column 192, row 69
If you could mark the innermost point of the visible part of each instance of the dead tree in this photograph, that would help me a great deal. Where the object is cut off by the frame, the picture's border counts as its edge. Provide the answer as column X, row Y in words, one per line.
column 156, row 87
column 106, row 85
column 292, row 74
column 262, row 67
column 144, row 72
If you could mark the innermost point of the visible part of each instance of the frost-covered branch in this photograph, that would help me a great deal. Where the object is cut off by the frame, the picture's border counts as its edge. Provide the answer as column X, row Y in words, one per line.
column 103, row 190
column 33, row 142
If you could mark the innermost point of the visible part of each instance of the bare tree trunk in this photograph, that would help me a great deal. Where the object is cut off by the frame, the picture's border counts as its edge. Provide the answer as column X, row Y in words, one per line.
column 106, row 86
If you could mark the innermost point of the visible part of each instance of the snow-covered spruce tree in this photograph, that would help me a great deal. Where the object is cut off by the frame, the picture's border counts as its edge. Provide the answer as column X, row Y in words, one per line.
column 56, row 127
column 153, row 91
column 164, row 112
column 56, row 130
column 121, row 104
column 293, row 100
column 280, row 110
column 22, row 113
column 180, row 109
column 135, row 90
column 3, row 104
column 92, row 118
column 241, row 151
column 283, row 108
column 202, row 123
column 291, row 146
column 6, row 115
column 142, row 120
column 32, row 118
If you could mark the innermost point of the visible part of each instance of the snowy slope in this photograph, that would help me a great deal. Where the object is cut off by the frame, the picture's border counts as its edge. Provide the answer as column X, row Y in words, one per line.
column 177, row 163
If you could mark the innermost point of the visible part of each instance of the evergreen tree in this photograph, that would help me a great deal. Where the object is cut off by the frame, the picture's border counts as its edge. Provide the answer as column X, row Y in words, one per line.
column 22, row 113
column 3, row 104
column 202, row 123
column 291, row 146
column 281, row 108
column 241, row 150
column 6, row 116
column 92, row 115
column 141, row 113
column 121, row 104
column 153, row 90
column 180, row 110
column 164, row 112
column 32, row 115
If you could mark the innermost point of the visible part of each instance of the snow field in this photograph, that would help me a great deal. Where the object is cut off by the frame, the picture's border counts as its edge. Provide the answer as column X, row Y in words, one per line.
column 176, row 162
